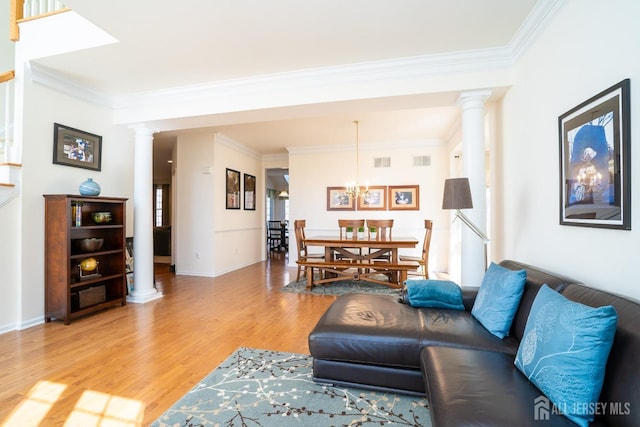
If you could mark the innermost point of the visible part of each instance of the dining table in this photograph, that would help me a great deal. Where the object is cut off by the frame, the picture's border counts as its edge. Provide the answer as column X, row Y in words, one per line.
column 361, row 258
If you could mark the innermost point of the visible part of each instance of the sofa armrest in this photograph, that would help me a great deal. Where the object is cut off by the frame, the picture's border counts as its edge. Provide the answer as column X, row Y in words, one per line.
column 469, row 294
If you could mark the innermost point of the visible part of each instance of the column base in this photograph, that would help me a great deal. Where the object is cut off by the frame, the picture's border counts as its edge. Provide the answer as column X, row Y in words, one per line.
column 141, row 299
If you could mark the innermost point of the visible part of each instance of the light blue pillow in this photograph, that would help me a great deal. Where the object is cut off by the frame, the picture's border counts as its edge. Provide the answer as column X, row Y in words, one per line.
column 564, row 352
column 498, row 299
column 434, row 293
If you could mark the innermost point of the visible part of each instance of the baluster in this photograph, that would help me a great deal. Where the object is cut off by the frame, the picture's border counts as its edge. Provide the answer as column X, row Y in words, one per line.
column 42, row 7
column 7, row 103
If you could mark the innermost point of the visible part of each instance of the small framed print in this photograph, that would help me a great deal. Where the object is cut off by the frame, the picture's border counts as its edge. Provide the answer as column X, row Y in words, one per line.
column 404, row 197
column 76, row 148
column 130, row 287
column 374, row 200
column 232, row 189
column 249, row 192
column 339, row 200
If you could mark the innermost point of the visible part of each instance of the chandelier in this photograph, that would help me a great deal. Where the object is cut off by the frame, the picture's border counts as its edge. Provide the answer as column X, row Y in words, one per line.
column 354, row 189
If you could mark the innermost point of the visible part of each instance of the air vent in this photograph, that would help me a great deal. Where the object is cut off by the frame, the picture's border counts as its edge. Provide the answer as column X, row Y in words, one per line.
column 382, row 162
column 422, row 161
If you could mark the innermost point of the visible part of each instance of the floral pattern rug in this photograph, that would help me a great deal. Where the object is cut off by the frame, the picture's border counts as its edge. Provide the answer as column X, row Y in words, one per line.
column 341, row 287
column 268, row 388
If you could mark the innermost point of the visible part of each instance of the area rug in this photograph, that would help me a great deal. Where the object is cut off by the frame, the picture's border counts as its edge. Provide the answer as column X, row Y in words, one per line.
column 341, row 287
column 268, row 388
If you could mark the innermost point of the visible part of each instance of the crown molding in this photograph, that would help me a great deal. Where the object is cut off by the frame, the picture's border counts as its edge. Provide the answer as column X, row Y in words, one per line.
column 228, row 142
column 374, row 146
column 372, row 72
column 47, row 77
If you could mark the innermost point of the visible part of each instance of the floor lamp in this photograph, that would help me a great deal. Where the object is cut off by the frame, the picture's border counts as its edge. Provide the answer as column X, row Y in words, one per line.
column 457, row 195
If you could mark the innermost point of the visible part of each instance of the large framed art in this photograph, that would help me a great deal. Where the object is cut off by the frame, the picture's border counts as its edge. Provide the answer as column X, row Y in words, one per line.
column 595, row 164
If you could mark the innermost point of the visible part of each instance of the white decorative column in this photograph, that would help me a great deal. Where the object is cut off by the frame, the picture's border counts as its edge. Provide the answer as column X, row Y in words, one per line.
column 473, row 167
column 144, row 289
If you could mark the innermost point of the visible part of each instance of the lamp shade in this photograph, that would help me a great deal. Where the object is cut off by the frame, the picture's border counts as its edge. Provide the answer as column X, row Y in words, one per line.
column 457, row 194
column 283, row 194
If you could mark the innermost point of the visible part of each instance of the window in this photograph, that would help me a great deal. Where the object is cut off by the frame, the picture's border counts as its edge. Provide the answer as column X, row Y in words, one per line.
column 158, row 211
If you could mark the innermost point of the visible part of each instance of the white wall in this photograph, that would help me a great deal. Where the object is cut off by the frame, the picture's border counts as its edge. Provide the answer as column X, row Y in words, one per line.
column 313, row 170
column 588, row 47
column 43, row 108
column 210, row 239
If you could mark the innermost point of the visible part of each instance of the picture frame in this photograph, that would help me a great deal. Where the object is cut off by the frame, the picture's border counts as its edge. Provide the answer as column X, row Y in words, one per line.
column 76, row 148
column 375, row 200
column 249, row 192
column 232, row 193
column 403, row 197
column 130, row 283
column 339, row 200
column 595, row 161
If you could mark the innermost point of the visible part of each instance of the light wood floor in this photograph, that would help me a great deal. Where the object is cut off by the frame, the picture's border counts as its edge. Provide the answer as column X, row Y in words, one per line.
column 127, row 365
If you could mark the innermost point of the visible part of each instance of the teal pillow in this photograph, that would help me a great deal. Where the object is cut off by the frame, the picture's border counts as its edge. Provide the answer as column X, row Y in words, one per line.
column 564, row 352
column 498, row 299
column 434, row 293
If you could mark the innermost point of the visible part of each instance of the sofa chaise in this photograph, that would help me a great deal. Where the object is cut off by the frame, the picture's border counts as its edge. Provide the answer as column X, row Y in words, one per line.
column 467, row 373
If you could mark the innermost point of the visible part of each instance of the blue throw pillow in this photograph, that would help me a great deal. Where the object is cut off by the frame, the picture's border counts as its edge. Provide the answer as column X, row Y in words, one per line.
column 434, row 293
column 564, row 352
column 498, row 299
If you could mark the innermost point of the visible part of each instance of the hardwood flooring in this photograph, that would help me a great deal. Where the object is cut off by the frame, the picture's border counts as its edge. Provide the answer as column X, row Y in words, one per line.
column 125, row 366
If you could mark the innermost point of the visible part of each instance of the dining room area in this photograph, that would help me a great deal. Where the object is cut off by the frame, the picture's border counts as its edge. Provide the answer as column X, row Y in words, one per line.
column 359, row 249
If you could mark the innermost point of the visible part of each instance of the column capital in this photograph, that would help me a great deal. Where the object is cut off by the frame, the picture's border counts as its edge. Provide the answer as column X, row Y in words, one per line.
column 474, row 98
column 142, row 130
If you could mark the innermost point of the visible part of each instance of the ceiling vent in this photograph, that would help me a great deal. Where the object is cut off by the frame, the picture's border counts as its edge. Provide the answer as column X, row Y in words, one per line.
column 382, row 162
column 422, row 161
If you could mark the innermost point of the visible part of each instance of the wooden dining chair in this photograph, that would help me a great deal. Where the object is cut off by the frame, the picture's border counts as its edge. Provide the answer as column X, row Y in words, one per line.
column 350, row 224
column 424, row 259
column 274, row 235
column 382, row 229
column 303, row 254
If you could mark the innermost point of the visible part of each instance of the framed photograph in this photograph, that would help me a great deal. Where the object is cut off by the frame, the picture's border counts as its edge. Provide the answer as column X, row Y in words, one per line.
column 595, row 161
column 233, row 189
column 249, row 192
column 339, row 200
column 130, row 286
column 404, row 197
column 77, row 148
column 375, row 200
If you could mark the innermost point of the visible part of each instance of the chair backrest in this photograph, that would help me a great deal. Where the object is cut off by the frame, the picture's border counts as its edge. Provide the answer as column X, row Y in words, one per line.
column 382, row 228
column 274, row 228
column 298, row 226
column 428, row 227
column 353, row 224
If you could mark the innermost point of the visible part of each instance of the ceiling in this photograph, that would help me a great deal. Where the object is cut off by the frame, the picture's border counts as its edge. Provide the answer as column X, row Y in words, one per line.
column 189, row 42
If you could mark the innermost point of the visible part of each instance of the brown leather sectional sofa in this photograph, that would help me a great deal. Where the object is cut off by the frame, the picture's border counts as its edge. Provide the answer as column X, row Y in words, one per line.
column 467, row 374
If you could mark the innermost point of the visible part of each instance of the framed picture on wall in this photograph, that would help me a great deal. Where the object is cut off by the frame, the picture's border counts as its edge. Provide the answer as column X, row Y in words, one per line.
column 249, row 192
column 232, row 189
column 76, row 148
column 374, row 200
column 404, row 197
column 339, row 200
column 595, row 163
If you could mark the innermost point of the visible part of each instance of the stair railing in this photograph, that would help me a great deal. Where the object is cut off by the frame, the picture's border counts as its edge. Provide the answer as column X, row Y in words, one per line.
column 6, row 120
column 22, row 10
